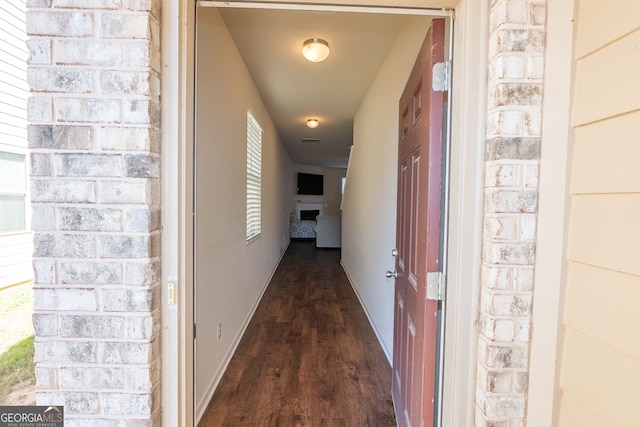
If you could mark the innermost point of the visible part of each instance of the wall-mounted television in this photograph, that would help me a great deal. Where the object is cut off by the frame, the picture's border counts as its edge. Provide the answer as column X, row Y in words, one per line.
column 311, row 184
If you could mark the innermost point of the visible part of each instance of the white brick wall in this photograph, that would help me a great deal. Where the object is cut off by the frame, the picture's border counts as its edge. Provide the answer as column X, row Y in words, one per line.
column 516, row 47
column 94, row 139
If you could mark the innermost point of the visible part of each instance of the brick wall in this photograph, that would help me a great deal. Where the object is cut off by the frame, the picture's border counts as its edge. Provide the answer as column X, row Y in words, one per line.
column 516, row 47
column 94, row 113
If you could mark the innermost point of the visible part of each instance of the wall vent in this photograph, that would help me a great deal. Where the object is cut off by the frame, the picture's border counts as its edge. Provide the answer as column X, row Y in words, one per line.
column 311, row 140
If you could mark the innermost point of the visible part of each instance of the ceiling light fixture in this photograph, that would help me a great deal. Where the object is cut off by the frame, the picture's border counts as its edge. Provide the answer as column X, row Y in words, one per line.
column 315, row 50
column 312, row 123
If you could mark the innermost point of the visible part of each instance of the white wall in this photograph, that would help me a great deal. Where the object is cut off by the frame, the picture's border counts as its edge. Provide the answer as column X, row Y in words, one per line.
column 332, row 197
column 230, row 275
column 333, row 190
column 369, row 207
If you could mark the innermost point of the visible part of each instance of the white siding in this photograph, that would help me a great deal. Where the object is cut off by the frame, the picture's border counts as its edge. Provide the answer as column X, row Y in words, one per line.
column 15, row 246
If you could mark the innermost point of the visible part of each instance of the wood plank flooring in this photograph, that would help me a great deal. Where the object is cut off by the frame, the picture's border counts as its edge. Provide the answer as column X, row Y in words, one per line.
column 309, row 356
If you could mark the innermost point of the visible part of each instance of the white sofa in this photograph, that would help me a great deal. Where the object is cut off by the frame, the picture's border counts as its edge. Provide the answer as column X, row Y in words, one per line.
column 328, row 231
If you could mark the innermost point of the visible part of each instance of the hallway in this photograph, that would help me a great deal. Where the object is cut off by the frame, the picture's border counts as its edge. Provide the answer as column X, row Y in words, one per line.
column 309, row 356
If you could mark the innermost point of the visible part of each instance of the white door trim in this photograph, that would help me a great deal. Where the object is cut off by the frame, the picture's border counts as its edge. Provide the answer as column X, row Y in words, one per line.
column 326, row 7
column 178, row 54
column 553, row 207
column 465, row 211
column 465, row 230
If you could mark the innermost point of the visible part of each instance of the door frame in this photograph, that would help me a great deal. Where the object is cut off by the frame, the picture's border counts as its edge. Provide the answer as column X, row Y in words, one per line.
column 177, row 172
column 550, row 269
column 465, row 203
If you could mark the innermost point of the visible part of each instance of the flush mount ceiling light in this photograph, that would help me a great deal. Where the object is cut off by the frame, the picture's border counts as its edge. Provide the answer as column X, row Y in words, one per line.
column 312, row 123
column 315, row 50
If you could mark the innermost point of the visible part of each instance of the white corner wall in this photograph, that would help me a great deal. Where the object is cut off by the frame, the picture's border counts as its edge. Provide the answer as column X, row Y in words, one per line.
column 369, row 206
column 230, row 275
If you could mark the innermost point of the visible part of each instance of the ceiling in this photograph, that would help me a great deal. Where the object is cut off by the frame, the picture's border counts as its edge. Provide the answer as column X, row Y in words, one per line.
column 294, row 89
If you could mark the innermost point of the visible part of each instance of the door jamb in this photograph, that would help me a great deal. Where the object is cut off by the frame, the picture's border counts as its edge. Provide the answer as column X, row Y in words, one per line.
column 550, row 268
column 467, row 138
column 465, row 211
column 178, row 69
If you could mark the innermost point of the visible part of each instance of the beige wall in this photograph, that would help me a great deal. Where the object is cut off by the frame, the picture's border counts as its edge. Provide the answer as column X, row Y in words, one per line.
column 600, row 352
column 333, row 190
column 230, row 275
column 369, row 208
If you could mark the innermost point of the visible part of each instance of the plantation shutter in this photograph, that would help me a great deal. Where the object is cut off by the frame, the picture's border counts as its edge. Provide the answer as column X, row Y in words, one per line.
column 254, row 178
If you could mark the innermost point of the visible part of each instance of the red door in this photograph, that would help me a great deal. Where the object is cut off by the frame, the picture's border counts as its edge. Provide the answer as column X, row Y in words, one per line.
column 418, row 236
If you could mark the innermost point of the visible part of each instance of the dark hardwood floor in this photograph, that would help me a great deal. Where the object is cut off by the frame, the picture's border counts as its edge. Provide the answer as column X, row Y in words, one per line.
column 309, row 356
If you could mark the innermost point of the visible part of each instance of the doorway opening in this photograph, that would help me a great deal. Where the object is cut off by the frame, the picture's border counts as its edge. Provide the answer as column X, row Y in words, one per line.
column 249, row 60
column 469, row 79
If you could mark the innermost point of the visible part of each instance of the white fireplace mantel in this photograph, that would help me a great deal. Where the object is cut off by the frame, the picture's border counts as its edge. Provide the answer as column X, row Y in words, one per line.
column 309, row 206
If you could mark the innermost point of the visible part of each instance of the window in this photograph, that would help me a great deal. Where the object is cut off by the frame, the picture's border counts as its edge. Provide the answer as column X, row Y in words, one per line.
column 13, row 192
column 254, row 178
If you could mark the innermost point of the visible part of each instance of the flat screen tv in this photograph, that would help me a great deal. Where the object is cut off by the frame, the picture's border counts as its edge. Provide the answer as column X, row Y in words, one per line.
column 311, row 184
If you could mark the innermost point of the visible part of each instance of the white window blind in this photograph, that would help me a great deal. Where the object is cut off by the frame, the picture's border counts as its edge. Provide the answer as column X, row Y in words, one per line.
column 254, row 178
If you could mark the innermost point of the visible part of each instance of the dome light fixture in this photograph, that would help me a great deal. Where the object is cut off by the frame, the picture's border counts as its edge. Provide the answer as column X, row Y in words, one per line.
column 312, row 123
column 315, row 50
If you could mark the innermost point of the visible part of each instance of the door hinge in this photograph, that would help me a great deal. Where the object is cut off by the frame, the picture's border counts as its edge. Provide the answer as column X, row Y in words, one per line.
column 436, row 285
column 441, row 77
column 194, row 331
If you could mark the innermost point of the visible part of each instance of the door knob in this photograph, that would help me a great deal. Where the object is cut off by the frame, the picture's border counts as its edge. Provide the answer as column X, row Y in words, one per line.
column 394, row 273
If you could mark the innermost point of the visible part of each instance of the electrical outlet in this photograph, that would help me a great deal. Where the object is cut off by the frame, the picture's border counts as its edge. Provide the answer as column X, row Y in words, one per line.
column 219, row 331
